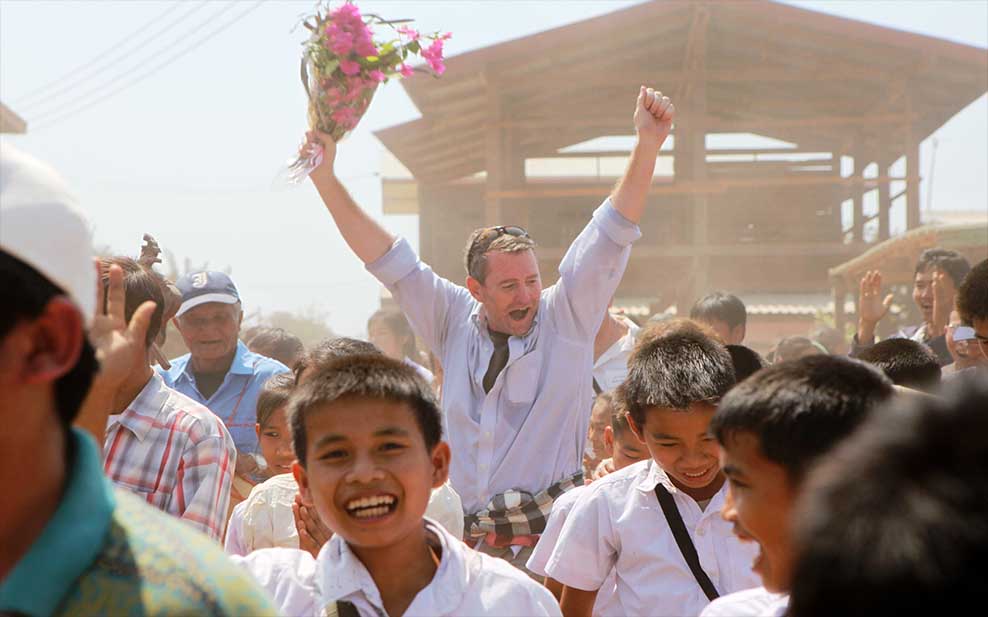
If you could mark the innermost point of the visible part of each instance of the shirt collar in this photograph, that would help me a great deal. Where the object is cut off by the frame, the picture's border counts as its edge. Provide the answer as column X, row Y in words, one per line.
column 70, row 541
column 243, row 363
column 343, row 575
column 140, row 415
column 657, row 475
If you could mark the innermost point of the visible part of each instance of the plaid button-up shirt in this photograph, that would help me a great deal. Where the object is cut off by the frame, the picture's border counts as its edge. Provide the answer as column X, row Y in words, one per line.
column 175, row 454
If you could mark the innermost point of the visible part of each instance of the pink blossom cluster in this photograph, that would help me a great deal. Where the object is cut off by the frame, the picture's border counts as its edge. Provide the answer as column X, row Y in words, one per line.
column 347, row 32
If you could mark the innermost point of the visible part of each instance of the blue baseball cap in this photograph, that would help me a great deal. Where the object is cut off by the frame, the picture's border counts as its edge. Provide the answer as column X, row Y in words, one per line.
column 207, row 286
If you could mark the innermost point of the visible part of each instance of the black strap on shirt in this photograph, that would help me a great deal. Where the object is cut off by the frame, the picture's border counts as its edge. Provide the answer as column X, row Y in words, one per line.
column 678, row 528
column 499, row 359
column 596, row 386
column 346, row 609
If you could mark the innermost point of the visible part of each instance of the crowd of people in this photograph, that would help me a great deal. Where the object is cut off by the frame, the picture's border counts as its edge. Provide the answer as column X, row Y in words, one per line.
column 542, row 455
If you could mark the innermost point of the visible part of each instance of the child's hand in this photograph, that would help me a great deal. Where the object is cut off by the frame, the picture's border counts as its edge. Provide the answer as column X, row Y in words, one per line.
column 312, row 532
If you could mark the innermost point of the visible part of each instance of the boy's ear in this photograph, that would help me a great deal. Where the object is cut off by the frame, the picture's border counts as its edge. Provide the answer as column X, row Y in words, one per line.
column 609, row 437
column 637, row 430
column 303, row 484
column 440, row 464
column 257, row 430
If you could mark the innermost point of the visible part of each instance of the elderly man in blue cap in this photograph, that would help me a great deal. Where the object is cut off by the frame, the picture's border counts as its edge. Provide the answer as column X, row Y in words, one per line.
column 219, row 371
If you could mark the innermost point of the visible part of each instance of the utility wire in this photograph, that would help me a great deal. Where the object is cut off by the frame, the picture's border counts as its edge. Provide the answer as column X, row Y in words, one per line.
column 171, row 59
column 55, row 107
column 83, row 72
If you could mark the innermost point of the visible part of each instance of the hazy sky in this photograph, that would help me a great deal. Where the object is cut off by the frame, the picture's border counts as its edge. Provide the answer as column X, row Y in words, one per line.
column 190, row 146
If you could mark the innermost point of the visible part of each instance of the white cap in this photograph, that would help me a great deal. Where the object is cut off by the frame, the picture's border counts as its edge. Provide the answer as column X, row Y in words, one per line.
column 41, row 225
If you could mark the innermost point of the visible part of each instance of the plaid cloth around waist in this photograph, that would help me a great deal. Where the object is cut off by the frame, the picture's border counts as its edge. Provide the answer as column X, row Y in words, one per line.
column 517, row 513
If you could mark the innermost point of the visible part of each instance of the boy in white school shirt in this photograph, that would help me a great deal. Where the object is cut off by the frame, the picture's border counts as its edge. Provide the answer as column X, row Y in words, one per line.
column 772, row 429
column 367, row 433
column 677, row 374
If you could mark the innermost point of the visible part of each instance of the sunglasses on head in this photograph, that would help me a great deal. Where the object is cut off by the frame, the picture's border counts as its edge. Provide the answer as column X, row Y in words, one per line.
column 499, row 230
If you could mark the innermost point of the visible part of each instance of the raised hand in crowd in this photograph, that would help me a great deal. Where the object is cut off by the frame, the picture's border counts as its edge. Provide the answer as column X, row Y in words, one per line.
column 312, row 532
column 119, row 346
column 872, row 307
column 944, row 292
column 653, row 115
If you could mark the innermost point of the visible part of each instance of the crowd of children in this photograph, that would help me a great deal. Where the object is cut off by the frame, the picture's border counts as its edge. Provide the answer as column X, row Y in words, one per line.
column 552, row 460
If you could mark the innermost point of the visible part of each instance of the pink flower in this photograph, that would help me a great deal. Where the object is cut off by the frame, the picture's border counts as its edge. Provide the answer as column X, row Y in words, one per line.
column 364, row 44
column 341, row 44
column 376, row 75
column 446, row 36
column 346, row 12
column 411, row 33
column 433, row 54
column 406, row 70
column 349, row 67
column 343, row 115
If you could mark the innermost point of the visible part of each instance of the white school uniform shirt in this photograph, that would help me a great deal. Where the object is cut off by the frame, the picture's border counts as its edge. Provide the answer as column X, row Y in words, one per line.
column 618, row 524
column 529, row 431
column 547, row 542
column 466, row 582
column 611, row 368
column 757, row 602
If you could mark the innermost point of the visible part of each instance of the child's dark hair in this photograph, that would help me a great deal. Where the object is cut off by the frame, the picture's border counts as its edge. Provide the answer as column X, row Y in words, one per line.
column 746, row 361
column 906, row 362
column 675, row 364
column 140, row 285
column 619, row 411
column 951, row 262
column 972, row 296
column 895, row 521
column 372, row 376
column 721, row 306
column 277, row 343
column 331, row 350
column 800, row 409
column 274, row 395
column 26, row 293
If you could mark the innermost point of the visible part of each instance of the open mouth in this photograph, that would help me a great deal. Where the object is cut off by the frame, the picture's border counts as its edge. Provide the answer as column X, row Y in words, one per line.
column 376, row 506
column 697, row 475
column 519, row 314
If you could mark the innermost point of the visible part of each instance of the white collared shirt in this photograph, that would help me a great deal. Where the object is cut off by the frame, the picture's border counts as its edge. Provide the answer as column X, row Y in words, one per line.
column 618, row 524
column 466, row 582
column 529, row 430
column 757, row 602
column 611, row 368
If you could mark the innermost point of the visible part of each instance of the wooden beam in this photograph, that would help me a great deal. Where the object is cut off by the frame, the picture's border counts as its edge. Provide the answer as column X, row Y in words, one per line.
column 494, row 158
column 857, row 229
column 807, row 249
column 884, row 203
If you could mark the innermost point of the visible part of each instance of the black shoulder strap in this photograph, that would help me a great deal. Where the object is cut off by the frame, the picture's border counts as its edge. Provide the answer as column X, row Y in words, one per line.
column 346, row 609
column 596, row 386
column 686, row 547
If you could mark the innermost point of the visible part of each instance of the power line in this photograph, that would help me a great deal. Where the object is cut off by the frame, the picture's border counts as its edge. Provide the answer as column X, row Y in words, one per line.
column 171, row 59
column 56, row 107
column 83, row 72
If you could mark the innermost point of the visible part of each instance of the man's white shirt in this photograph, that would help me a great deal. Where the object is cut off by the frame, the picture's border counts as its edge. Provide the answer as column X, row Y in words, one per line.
column 617, row 524
column 757, row 602
column 466, row 582
column 528, row 432
column 611, row 368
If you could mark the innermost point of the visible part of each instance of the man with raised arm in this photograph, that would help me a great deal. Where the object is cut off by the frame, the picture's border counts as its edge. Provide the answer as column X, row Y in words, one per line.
column 517, row 357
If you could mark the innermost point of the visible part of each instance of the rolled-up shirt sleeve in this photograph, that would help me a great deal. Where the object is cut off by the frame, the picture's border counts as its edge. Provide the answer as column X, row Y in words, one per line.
column 429, row 301
column 586, row 550
column 591, row 271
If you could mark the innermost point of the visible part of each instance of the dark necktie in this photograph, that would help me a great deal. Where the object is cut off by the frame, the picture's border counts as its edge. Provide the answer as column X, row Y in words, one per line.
column 498, row 359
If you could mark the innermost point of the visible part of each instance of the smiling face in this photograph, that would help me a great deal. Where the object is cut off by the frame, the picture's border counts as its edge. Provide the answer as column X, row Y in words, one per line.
column 923, row 291
column 626, row 449
column 510, row 292
column 680, row 442
column 210, row 330
column 368, row 472
column 759, row 501
column 275, row 442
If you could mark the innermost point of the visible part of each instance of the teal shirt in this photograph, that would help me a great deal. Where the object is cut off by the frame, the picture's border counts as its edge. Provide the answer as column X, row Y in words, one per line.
column 104, row 552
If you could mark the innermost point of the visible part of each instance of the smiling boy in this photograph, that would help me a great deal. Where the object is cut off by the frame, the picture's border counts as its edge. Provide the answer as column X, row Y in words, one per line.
column 677, row 374
column 772, row 428
column 368, row 436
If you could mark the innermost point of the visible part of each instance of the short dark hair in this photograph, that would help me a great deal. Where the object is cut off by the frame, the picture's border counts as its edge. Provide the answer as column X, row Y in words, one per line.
column 906, row 362
column 793, row 347
column 277, row 343
column 972, row 296
column 619, row 410
column 951, row 262
column 800, row 409
column 722, row 306
column 894, row 521
column 374, row 376
column 332, row 349
column 398, row 324
column 675, row 364
column 746, row 361
column 488, row 240
column 140, row 285
column 274, row 395
column 26, row 293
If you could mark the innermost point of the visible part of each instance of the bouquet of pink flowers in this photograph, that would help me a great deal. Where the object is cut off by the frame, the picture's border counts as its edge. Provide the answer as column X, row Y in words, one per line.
column 343, row 64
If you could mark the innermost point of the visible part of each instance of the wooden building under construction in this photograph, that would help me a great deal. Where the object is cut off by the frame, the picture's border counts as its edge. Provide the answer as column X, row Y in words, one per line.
column 795, row 145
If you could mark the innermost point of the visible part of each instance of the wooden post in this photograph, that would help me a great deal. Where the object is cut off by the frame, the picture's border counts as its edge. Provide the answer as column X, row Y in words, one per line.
column 857, row 226
column 695, row 99
column 840, row 296
column 884, row 200
column 912, row 183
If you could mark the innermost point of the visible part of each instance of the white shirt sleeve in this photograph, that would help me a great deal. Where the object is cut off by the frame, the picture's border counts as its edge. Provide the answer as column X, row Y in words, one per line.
column 289, row 576
column 234, row 543
column 553, row 527
column 588, row 546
